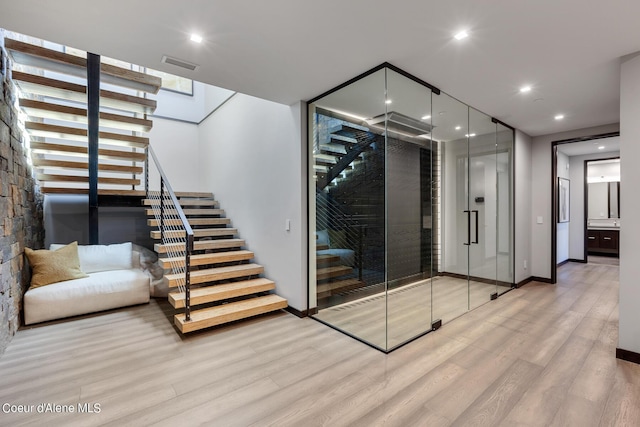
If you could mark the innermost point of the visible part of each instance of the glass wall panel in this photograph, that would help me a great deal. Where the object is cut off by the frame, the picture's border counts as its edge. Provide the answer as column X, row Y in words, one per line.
column 408, row 218
column 482, row 204
column 411, row 208
column 349, row 189
column 504, row 212
column 450, row 290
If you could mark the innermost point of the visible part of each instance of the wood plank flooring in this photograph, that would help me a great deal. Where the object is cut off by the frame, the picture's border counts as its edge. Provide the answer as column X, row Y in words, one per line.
column 388, row 320
column 541, row 355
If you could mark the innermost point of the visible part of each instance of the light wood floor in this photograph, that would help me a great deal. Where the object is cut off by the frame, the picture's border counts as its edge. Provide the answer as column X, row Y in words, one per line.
column 387, row 320
column 540, row 355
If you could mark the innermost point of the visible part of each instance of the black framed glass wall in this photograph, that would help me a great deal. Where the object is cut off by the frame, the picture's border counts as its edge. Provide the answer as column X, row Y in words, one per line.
column 405, row 200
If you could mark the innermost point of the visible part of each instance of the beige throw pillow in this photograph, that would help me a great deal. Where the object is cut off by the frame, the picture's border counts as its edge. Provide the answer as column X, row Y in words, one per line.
column 54, row 266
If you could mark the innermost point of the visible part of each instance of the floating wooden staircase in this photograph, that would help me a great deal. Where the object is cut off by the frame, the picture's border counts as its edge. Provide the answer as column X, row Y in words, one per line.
column 53, row 94
column 225, row 285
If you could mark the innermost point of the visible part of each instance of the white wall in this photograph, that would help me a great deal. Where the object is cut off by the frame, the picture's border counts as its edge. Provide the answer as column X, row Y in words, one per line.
column 629, row 333
column 523, row 217
column 576, row 226
column 189, row 108
column 541, row 195
column 562, row 240
column 251, row 158
column 176, row 145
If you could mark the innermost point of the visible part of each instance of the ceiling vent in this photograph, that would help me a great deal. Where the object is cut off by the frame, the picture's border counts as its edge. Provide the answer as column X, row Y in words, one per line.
column 401, row 123
column 179, row 63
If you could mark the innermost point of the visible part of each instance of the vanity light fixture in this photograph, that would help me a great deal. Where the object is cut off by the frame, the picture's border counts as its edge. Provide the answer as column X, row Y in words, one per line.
column 196, row 38
column 388, row 101
column 559, row 117
column 461, row 35
column 470, row 135
column 458, row 127
column 427, row 117
column 525, row 89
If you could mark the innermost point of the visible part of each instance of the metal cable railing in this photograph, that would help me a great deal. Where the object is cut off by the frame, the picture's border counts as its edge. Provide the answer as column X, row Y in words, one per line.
column 330, row 217
column 175, row 232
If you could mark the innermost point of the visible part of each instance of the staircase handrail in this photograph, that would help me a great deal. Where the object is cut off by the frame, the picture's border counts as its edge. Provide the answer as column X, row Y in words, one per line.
column 164, row 184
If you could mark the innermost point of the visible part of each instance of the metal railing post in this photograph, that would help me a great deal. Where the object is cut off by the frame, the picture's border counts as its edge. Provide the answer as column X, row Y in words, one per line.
column 187, row 282
column 161, row 208
column 146, row 171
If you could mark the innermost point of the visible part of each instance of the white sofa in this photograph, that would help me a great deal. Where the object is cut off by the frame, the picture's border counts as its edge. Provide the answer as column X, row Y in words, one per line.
column 115, row 280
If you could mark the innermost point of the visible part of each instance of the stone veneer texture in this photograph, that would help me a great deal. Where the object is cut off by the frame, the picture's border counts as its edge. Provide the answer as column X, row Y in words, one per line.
column 21, row 222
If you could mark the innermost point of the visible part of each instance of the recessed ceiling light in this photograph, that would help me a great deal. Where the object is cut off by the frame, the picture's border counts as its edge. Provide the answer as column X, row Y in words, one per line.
column 601, row 147
column 525, row 89
column 559, row 117
column 470, row 135
column 461, row 35
column 458, row 127
column 388, row 101
column 196, row 38
column 427, row 117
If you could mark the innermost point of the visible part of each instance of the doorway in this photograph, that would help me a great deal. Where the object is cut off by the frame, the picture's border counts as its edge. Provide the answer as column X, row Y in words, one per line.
column 570, row 229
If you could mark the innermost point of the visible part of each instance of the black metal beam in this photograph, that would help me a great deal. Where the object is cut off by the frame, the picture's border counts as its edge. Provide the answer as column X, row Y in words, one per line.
column 93, row 117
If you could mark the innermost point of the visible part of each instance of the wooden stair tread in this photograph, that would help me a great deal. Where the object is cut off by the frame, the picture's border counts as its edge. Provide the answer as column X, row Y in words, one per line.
column 326, row 259
column 61, row 62
column 198, row 232
column 189, row 212
column 215, row 274
column 194, row 194
column 192, row 221
column 39, row 85
column 183, row 202
column 101, row 192
column 328, row 272
column 63, row 164
column 221, row 292
column 47, row 110
column 78, row 134
column 327, row 289
column 225, row 313
column 48, row 147
column 201, row 245
column 207, row 259
column 76, row 178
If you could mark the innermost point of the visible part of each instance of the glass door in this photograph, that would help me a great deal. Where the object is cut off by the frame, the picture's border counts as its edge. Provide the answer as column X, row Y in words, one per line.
column 482, row 206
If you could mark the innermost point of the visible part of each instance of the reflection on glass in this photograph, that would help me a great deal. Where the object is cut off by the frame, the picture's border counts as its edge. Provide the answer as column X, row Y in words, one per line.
column 349, row 183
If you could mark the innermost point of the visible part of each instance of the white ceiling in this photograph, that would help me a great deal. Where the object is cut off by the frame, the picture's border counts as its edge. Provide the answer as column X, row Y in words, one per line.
column 591, row 147
column 291, row 50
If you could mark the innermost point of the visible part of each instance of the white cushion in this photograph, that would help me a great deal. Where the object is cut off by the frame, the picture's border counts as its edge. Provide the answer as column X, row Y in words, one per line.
column 94, row 258
column 100, row 291
column 322, row 237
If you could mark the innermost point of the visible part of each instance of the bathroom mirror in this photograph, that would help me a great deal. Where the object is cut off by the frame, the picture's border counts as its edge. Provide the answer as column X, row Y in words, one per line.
column 604, row 200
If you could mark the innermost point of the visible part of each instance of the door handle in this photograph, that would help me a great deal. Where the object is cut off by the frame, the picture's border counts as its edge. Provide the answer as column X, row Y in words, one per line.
column 607, row 238
column 468, row 228
column 477, row 215
column 592, row 238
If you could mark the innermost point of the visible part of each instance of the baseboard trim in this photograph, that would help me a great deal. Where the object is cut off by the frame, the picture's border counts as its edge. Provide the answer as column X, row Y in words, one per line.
column 629, row 356
column 524, row 282
column 560, row 264
column 581, row 261
column 540, row 279
column 298, row 313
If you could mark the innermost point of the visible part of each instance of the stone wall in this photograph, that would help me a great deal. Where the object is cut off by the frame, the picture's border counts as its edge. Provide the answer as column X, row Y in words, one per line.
column 21, row 222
